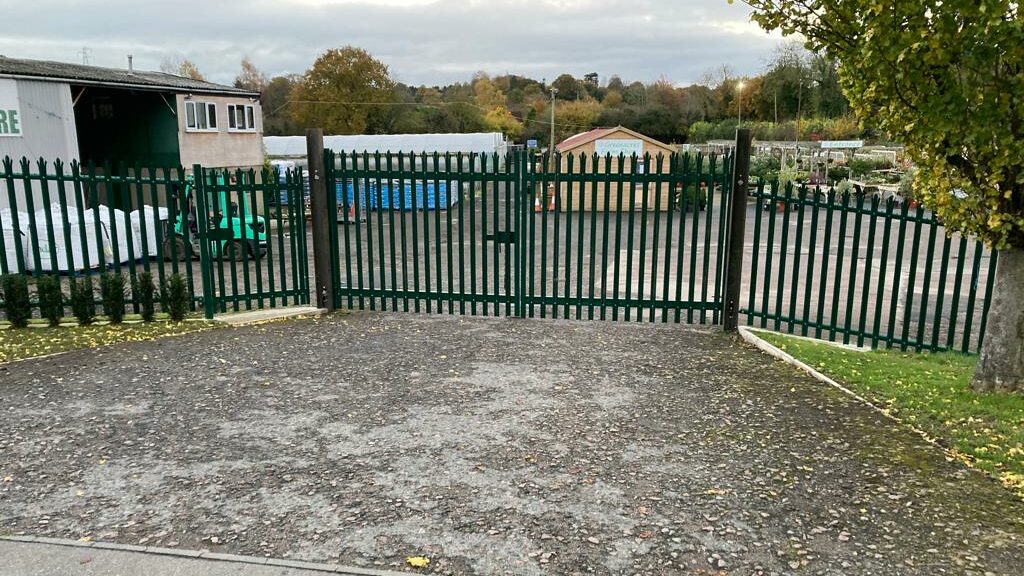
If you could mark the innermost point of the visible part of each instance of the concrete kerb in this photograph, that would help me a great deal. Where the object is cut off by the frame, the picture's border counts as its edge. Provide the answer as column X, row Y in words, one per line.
column 751, row 337
column 205, row 555
column 268, row 315
column 849, row 347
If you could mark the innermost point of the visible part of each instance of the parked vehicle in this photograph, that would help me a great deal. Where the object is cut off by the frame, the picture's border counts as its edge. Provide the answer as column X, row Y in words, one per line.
column 238, row 235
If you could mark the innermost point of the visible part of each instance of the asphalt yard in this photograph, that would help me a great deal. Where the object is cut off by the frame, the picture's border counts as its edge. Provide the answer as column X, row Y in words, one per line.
column 490, row 446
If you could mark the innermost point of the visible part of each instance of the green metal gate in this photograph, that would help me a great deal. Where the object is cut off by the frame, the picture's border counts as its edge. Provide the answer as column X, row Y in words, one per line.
column 252, row 244
column 584, row 237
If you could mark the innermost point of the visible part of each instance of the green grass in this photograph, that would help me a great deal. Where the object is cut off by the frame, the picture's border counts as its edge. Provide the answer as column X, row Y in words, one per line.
column 931, row 392
column 18, row 344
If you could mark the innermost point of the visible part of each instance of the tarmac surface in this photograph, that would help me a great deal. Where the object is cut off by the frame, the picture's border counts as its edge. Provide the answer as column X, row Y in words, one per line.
column 490, row 446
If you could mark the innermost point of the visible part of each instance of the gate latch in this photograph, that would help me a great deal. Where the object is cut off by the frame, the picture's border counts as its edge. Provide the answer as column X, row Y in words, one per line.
column 502, row 236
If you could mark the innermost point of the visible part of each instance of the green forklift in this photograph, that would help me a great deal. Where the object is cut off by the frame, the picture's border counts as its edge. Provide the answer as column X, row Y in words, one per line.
column 237, row 235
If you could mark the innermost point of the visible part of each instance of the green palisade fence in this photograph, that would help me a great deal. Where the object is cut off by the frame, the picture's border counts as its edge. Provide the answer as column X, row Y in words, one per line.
column 629, row 238
column 861, row 270
column 74, row 219
column 637, row 239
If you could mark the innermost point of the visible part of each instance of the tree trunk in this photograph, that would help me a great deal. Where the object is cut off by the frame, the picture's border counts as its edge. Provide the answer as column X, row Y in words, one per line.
column 1001, row 366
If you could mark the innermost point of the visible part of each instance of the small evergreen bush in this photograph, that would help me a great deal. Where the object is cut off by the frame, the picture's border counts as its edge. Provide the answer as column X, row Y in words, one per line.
column 145, row 294
column 112, row 295
column 177, row 298
column 51, row 299
column 83, row 304
column 17, row 304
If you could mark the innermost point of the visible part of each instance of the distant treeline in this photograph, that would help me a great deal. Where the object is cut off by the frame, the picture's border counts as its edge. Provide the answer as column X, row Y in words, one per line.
column 347, row 91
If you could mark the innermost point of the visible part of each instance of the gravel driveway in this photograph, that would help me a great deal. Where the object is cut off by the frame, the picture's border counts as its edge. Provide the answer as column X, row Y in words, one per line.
column 492, row 446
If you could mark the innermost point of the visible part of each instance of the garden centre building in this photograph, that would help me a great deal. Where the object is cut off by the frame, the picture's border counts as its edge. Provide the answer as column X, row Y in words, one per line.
column 57, row 110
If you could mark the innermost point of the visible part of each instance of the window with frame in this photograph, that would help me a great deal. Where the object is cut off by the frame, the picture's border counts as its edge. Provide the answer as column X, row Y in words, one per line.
column 241, row 117
column 200, row 116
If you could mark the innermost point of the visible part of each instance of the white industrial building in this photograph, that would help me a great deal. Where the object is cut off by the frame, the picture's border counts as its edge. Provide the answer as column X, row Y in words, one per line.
column 294, row 147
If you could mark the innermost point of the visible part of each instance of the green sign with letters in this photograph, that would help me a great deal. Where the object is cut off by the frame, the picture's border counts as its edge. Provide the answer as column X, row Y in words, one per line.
column 10, row 112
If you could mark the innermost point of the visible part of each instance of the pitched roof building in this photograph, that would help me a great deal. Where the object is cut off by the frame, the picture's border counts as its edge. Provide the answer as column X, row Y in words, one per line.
column 608, row 145
column 90, row 113
column 613, row 141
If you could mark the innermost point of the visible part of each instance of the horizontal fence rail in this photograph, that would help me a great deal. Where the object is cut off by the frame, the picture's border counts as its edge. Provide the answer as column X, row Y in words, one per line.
column 587, row 237
column 73, row 220
column 865, row 271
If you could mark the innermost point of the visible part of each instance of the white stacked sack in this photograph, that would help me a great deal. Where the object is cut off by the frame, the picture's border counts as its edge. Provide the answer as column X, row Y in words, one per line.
column 69, row 248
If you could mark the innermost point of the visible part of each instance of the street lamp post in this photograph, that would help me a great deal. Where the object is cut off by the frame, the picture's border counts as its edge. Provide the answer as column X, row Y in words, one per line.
column 799, row 99
column 739, row 103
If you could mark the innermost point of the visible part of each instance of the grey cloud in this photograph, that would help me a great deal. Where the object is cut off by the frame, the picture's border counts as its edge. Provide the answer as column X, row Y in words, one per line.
column 434, row 43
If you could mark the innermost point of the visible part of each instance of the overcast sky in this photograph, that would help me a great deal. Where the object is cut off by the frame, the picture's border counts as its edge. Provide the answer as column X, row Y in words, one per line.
column 421, row 41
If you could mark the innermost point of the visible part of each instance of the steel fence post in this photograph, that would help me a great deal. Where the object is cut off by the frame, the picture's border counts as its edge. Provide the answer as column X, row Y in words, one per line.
column 737, row 229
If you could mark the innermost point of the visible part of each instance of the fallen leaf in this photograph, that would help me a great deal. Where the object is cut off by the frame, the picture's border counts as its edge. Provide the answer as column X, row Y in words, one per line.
column 417, row 561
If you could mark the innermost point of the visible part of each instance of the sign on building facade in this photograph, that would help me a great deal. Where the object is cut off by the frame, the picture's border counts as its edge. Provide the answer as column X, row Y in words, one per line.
column 842, row 143
column 626, row 147
column 10, row 112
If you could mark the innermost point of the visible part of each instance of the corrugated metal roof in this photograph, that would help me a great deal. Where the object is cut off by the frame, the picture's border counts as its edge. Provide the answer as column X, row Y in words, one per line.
column 582, row 138
column 139, row 79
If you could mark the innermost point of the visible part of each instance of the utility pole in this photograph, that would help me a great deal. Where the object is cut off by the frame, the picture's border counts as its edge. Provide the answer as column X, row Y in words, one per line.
column 553, row 92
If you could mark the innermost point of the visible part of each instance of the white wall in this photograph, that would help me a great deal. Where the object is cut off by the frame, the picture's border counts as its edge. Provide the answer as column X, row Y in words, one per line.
column 48, row 132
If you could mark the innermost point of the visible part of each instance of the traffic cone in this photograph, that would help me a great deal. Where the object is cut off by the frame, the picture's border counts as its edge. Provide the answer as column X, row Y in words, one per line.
column 352, row 212
column 551, row 198
column 536, row 204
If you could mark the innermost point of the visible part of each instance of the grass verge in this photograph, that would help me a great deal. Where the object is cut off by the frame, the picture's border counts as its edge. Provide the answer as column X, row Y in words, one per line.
column 18, row 344
column 931, row 392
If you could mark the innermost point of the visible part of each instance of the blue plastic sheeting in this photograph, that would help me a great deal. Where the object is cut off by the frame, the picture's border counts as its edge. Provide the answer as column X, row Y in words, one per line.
column 392, row 196
column 282, row 200
column 432, row 196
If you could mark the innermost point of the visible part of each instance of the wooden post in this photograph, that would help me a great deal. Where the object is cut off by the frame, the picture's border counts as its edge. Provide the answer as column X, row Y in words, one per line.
column 323, row 289
column 737, row 229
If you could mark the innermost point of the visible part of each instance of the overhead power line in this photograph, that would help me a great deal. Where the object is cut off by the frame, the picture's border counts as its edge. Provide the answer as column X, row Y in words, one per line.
column 422, row 105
